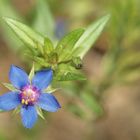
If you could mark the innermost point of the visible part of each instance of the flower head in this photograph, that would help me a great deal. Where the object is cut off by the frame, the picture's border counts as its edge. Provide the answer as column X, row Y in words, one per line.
column 29, row 95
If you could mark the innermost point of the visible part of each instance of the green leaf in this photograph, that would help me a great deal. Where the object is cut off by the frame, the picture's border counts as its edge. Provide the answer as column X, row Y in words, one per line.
column 70, row 76
column 40, row 61
column 39, row 48
column 44, row 20
column 48, row 46
column 10, row 86
column 7, row 9
column 52, row 58
column 67, row 73
column 128, row 76
column 76, row 110
column 92, row 103
column 90, row 35
column 25, row 33
column 66, row 44
column 32, row 73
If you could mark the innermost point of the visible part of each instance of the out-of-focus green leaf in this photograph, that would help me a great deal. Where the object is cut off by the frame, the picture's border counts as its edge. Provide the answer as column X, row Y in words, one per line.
column 75, row 109
column 92, row 103
column 10, row 86
column 25, row 33
column 128, row 76
column 66, row 44
column 44, row 20
column 130, row 58
column 6, row 9
column 90, row 35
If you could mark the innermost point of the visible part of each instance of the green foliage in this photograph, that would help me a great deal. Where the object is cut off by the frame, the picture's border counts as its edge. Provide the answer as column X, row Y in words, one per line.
column 68, row 73
column 32, row 73
column 90, row 35
column 75, row 109
column 50, row 89
column 25, row 33
column 92, row 103
column 40, row 113
column 122, row 58
column 44, row 20
column 45, row 54
column 65, row 46
column 48, row 46
column 6, row 10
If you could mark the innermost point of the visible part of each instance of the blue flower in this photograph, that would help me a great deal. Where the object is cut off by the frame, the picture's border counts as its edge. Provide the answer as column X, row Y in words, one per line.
column 29, row 95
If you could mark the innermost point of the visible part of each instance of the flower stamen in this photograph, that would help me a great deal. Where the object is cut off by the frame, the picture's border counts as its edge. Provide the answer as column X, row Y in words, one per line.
column 29, row 95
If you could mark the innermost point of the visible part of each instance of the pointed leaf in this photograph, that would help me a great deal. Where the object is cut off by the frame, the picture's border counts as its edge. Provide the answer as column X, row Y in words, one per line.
column 90, row 35
column 25, row 33
column 44, row 20
column 92, row 103
column 66, row 44
column 40, row 113
column 48, row 46
column 50, row 90
column 32, row 73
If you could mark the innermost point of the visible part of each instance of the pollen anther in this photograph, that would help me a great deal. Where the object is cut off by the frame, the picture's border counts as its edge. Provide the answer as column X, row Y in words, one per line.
column 26, row 102
column 23, row 101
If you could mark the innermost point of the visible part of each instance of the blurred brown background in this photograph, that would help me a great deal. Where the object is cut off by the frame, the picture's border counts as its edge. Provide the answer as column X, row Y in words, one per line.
column 121, row 101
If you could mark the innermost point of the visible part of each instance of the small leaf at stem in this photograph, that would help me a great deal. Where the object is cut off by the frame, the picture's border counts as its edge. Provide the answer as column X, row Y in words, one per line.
column 10, row 86
column 40, row 113
column 32, row 72
column 50, row 90
column 48, row 46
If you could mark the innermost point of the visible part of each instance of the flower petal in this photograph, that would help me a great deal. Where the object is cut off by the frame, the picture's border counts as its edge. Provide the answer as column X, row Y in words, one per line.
column 9, row 101
column 42, row 79
column 29, row 116
column 48, row 102
column 18, row 77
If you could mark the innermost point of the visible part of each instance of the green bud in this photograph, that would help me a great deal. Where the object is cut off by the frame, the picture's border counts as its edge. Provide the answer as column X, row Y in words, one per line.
column 77, row 62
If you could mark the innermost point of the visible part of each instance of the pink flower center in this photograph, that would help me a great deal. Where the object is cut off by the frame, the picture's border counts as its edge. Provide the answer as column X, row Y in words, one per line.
column 29, row 95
